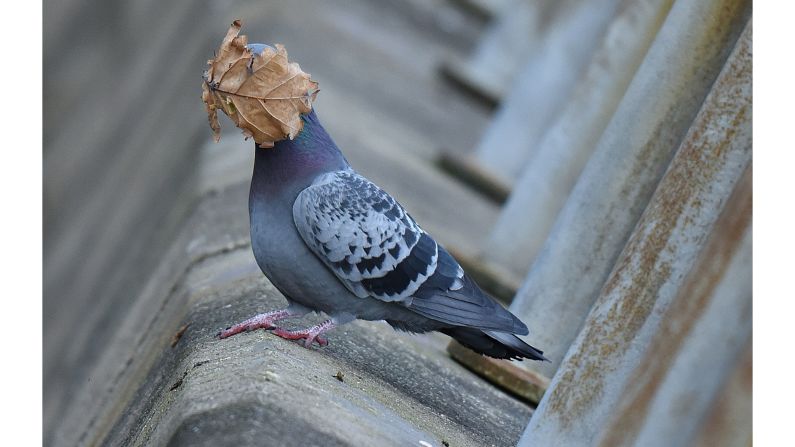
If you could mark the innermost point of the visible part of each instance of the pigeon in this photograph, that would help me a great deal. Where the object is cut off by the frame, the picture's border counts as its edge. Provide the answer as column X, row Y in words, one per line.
column 332, row 241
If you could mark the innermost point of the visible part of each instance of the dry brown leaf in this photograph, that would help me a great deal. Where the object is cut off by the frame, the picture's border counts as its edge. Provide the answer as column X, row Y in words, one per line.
column 264, row 94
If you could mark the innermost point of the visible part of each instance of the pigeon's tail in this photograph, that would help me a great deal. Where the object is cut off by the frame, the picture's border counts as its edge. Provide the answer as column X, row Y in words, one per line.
column 500, row 345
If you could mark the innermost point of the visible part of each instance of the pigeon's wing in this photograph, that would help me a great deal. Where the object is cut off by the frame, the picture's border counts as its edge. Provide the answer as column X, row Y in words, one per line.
column 376, row 249
column 364, row 236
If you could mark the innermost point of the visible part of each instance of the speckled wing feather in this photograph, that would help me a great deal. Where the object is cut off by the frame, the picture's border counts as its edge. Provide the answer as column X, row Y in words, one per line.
column 376, row 249
column 364, row 236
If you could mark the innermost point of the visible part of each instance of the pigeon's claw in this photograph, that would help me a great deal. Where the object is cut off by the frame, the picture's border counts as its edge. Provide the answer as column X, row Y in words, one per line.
column 299, row 335
column 309, row 335
column 261, row 321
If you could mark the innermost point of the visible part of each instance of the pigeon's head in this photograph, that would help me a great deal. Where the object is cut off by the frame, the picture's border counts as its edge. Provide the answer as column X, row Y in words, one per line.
column 258, row 87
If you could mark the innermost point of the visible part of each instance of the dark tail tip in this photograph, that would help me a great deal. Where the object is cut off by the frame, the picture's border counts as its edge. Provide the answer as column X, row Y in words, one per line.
column 517, row 346
column 499, row 345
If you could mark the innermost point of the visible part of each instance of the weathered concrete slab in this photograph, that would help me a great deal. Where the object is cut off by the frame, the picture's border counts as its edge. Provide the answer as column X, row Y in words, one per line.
column 542, row 87
column 701, row 337
column 729, row 422
column 505, row 45
column 621, row 176
column 118, row 139
column 689, row 246
column 550, row 175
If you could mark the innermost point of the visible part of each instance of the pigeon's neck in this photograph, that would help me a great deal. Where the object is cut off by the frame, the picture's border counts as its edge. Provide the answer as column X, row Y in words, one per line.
column 291, row 165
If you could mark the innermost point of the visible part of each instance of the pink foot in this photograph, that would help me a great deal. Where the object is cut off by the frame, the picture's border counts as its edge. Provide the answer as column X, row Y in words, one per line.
column 261, row 321
column 310, row 335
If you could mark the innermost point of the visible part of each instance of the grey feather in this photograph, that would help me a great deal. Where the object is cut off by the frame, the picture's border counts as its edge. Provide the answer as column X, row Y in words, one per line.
column 364, row 236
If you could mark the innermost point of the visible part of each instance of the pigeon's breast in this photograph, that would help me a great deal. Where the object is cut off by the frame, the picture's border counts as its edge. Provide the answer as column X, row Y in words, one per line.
column 289, row 264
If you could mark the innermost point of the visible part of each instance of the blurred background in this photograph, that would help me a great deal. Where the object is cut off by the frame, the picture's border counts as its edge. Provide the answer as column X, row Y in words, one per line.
column 588, row 162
